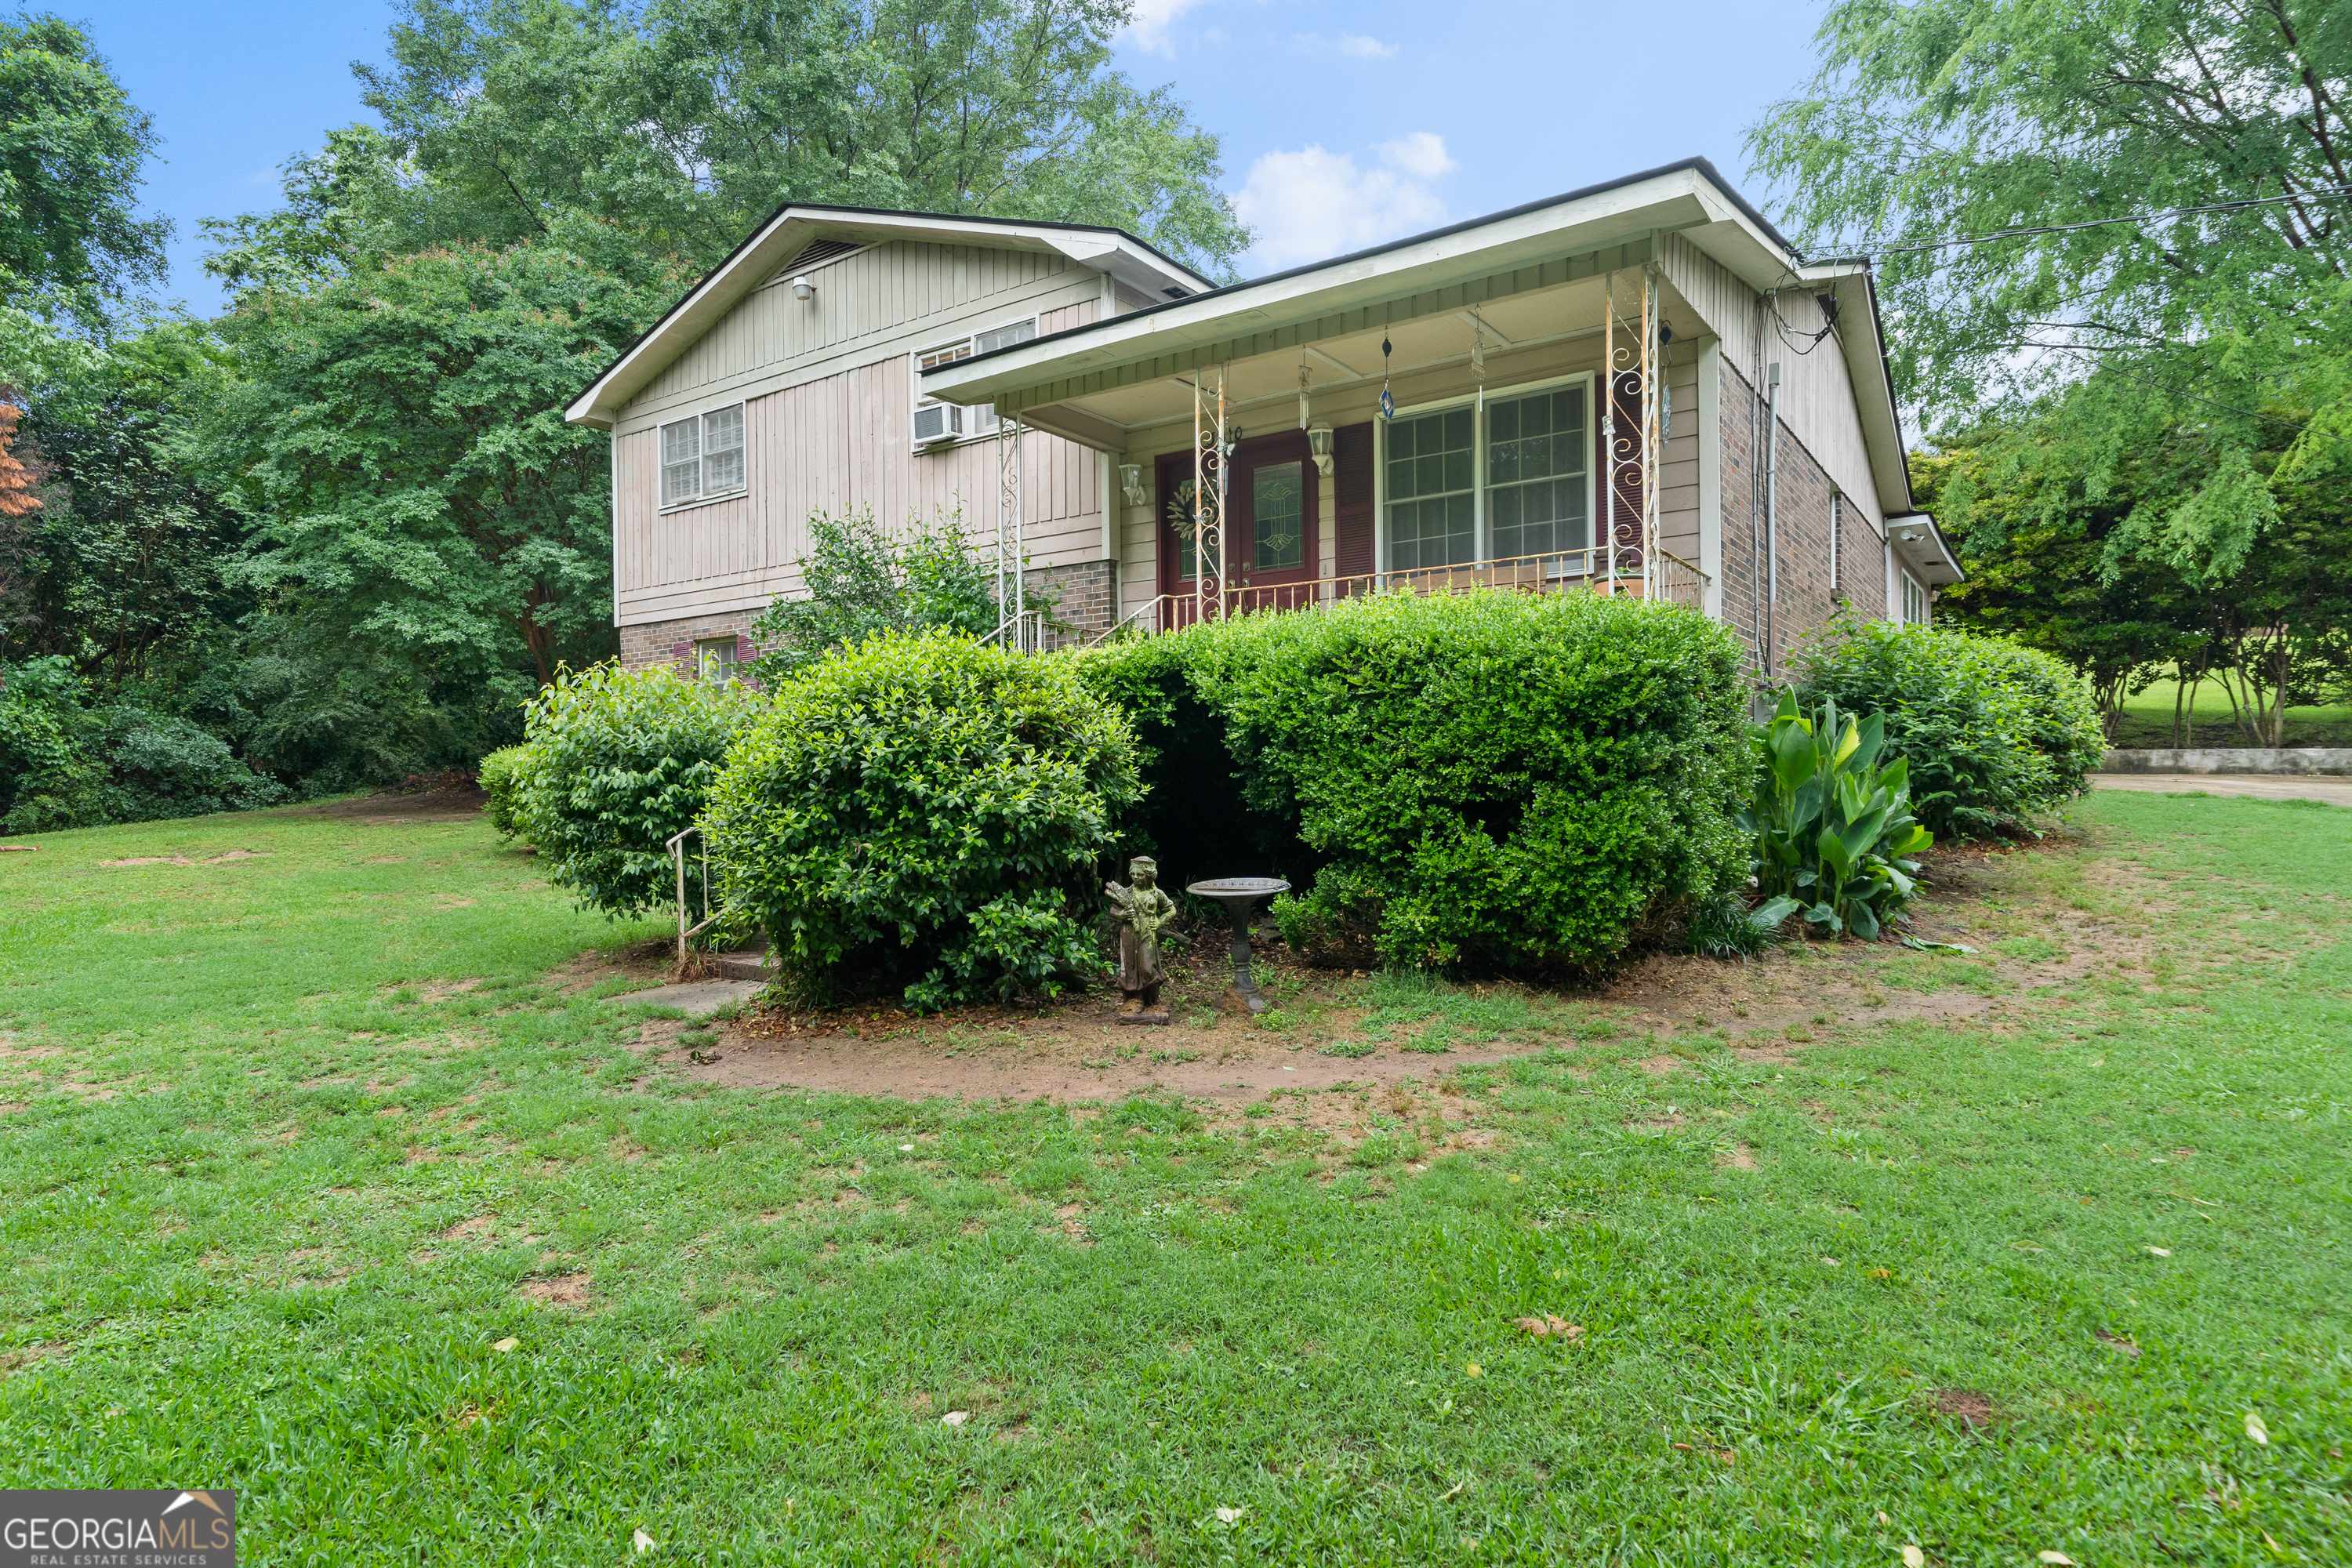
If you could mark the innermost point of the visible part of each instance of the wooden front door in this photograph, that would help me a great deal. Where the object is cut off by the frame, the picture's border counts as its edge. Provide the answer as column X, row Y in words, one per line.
column 1272, row 524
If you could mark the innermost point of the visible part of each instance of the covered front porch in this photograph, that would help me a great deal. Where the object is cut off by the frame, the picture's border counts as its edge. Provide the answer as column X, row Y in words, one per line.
column 1515, row 406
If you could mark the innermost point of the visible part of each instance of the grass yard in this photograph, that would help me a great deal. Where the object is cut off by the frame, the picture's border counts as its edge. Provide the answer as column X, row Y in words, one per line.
column 330, row 1176
column 2146, row 719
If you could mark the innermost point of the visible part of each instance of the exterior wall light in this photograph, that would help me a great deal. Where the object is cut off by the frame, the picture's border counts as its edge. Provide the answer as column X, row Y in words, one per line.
column 802, row 289
column 1130, row 484
column 1318, row 441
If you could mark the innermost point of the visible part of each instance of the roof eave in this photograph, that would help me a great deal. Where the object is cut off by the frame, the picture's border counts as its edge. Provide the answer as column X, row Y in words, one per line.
column 1686, row 195
column 774, row 243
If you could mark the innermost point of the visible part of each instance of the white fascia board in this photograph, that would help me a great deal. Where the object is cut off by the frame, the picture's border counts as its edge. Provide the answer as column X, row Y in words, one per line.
column 792, row 228
column 1679, row 199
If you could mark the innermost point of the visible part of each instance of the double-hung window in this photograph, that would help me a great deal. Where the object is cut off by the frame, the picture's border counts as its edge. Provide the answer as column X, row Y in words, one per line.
column 1915, row 601
column 1459, row 487
column 935, row 421
column 702, row 457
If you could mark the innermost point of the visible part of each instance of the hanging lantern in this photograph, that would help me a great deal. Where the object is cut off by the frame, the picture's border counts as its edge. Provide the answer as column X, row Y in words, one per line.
column 1388, row 398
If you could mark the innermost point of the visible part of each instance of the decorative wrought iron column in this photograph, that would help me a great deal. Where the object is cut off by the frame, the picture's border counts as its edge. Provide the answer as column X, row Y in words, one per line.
column 1012, row 542
column 1630, row 433
column 1209, row 452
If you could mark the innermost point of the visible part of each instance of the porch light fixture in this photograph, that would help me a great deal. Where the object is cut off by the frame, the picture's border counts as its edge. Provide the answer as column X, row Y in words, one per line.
column 1318, row 442
column 1130, row 484
column 802, row 289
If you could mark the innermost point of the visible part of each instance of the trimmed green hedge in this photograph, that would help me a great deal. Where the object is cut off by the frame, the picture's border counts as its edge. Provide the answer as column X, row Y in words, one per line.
column 922, row 813
column 1492, row 781
column 619, row 762
column 1997, row 735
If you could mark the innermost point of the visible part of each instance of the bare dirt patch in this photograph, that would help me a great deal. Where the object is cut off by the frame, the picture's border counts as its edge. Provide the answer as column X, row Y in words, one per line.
column 569, row 1291
column 2031, row 923
column 1966, row 1404
column 441, row 803
column 25, row 1355
column 226, row 856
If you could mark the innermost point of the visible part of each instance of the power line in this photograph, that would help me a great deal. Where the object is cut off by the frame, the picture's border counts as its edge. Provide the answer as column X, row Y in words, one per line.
column 1887, row 246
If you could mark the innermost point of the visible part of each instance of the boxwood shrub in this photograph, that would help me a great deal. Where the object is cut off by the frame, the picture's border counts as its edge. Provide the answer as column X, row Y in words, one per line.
column 1997, row 735
column 921, row 812
column 619, row 761
column 1490, row 781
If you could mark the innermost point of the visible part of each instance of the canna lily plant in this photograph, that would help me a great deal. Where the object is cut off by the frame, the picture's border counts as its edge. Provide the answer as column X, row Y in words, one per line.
column 1834, row 832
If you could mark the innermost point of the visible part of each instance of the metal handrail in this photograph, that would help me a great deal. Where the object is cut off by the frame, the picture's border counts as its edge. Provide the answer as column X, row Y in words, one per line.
column 1557, row 570
column 687, row 933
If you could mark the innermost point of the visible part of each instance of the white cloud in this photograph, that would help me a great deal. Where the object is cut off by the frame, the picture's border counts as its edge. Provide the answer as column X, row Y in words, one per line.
column 1148, row 28
column 1346, row 46
column 1420, row 154
column 1314, row 202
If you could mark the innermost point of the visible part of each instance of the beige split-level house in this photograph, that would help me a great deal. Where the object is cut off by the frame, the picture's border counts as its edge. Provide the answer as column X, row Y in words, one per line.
column 1636, row 386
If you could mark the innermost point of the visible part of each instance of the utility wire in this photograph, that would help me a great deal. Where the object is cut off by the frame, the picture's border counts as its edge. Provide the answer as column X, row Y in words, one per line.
column 1893, row 245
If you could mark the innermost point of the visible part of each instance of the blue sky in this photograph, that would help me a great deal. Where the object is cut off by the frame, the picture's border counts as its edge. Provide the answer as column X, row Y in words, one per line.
column 1343, row 124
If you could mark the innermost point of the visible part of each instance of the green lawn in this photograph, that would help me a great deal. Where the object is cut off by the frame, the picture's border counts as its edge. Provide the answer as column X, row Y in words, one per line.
column 2146, row 719
column 275, row 1190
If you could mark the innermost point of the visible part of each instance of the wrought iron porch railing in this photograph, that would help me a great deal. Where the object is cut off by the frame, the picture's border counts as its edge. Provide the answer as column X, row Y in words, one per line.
column 1559, row 571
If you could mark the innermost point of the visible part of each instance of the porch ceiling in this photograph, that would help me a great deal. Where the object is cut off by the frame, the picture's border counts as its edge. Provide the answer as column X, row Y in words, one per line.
column 1345, row 352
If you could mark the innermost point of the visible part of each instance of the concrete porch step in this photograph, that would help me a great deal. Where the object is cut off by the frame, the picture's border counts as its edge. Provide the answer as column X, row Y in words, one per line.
column 746, row 962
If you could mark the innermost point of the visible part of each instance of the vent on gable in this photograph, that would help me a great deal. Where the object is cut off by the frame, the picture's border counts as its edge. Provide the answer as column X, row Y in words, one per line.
column 816, row 254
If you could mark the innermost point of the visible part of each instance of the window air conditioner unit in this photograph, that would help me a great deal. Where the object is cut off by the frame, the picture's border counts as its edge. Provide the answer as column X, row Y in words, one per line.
column 937, row 422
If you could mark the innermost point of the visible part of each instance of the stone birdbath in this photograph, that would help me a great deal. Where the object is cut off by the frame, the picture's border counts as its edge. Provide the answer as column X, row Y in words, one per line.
column 1240, row 895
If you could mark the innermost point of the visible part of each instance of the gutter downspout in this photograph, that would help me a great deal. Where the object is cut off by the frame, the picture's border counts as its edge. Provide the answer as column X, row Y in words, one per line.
column 1771, row 516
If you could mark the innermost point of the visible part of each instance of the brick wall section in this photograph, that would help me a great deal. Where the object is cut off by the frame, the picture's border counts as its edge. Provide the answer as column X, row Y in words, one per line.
column 1741, row 594
column 1806, row 597
column 1086, row 603
column 1861, row 568
column 1086, row 599
column 655, row 642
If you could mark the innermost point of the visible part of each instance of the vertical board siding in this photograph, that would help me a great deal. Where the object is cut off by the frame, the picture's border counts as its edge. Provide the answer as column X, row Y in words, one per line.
column 1817, row 392
column 836, row 445
column 839, row 441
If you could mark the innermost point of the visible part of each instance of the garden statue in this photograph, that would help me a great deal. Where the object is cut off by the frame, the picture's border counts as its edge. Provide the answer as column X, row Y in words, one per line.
column 1141, row 910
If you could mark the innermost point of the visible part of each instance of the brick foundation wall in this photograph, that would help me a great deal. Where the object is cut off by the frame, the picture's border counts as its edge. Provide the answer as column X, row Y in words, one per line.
column 656, row 642
column 1086, row 602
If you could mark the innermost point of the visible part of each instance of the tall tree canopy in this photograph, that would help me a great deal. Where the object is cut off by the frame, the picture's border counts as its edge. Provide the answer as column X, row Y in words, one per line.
column 1934, row 120
column 2114, row 239
column 684, row 122
column 71, row 149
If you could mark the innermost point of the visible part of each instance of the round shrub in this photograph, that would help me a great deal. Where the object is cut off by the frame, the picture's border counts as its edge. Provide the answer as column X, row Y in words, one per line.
column 1997, row 735
column 1491, row 781
column 500, row 775
column 620, row 760
column 922, row 813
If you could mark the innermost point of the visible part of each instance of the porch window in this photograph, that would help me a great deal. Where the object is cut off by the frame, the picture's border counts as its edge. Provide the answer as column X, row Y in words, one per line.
column 702, row 457
column 1278, row 512
column 1537, row 502
column 1433, row 512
